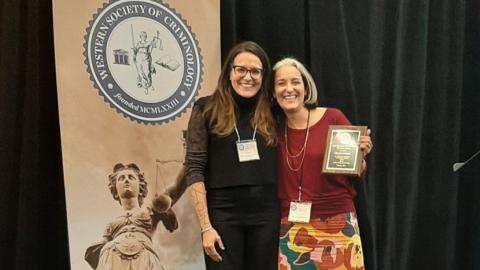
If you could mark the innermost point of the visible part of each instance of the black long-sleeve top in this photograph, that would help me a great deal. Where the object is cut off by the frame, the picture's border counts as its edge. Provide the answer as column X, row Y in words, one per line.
column 214, row 159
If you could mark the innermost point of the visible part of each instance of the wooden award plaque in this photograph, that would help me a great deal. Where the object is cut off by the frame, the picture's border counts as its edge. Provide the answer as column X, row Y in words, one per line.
column 342, row 152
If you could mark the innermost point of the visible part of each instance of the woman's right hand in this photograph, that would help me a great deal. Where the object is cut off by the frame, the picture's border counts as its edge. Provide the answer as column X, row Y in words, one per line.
column 210, row 237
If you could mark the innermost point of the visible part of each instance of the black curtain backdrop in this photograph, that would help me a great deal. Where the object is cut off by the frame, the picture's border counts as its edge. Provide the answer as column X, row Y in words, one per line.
column 410, row 70
column 33, row 225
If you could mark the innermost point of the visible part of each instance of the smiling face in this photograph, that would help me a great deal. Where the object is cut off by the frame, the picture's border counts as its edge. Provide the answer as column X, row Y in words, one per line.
column 244, row 84
column 289, row 89
column 127, row 184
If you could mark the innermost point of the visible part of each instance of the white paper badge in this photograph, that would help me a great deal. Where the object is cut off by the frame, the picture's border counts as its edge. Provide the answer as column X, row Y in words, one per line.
column 247, row 150
column 299, row 212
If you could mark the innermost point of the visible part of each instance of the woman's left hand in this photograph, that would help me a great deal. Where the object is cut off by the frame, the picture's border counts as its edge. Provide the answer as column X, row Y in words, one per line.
column 366, row 144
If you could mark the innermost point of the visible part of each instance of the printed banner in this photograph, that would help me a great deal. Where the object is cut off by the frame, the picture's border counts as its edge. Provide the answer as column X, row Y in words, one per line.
column 128, row 73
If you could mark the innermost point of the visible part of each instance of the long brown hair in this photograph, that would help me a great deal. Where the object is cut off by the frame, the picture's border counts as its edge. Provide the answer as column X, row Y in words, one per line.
column 220, row 109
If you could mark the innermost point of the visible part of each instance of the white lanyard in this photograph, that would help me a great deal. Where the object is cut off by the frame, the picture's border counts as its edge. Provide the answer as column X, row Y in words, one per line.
column 238, row 134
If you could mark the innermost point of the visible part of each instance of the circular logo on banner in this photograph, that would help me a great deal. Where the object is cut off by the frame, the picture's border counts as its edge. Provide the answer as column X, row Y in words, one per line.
column 143, row 59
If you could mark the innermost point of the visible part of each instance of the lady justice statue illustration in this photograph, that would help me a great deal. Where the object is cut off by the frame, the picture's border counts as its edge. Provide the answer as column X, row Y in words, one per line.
column 142, row 57
column 126, row 243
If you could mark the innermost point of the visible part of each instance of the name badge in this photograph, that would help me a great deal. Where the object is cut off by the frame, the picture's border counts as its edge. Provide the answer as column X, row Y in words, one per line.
column 299, row 212
column 247, row 150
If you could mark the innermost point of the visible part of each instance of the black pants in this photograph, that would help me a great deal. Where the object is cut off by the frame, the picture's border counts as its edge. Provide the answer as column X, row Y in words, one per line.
column 247, row 219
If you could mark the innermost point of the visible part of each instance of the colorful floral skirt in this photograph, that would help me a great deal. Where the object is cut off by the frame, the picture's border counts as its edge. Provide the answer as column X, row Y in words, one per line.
column 324, row 243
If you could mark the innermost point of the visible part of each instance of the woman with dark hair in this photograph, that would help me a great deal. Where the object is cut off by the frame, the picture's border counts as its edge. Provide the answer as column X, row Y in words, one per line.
column 328, row 237
column 127, row 241
column 230, row 165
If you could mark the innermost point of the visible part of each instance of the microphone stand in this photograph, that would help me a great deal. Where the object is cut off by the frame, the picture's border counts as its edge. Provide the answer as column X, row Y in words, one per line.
column 457, row 166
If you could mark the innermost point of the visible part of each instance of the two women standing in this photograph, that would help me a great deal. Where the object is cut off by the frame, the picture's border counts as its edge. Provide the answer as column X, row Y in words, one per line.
column 232, row 169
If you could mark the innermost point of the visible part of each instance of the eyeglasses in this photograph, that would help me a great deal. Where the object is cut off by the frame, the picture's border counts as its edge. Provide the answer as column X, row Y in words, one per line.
column 255, row 73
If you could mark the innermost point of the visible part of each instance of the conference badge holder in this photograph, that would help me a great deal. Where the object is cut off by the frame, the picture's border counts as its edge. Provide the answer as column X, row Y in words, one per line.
column 299, row 211
column 247, row 150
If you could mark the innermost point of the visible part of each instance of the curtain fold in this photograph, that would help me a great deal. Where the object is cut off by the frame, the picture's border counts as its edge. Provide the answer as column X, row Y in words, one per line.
column 33, row 228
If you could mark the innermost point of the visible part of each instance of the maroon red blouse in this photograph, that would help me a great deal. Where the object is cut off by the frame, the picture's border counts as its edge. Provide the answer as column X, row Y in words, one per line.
column 329, row 194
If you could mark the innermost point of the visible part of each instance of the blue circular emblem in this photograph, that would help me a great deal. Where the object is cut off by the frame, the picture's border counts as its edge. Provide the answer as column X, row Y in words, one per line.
column 143, row 59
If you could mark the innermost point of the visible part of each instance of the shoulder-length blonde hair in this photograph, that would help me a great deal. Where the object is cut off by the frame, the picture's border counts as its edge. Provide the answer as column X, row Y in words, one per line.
column 310, row 87
column 220, row 110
